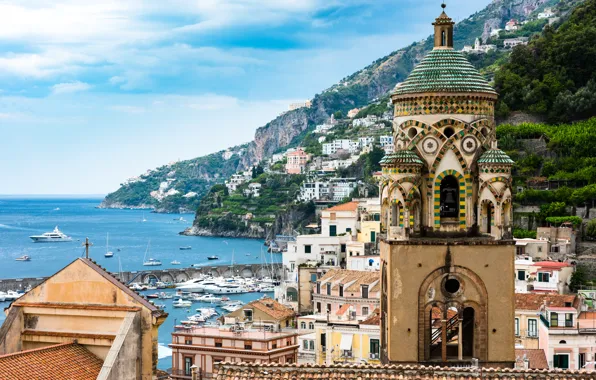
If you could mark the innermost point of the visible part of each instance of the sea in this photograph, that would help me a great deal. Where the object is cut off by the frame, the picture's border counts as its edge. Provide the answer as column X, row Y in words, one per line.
column 134, row 235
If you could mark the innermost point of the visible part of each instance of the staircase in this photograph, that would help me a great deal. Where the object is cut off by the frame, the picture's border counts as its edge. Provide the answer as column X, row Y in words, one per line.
column 451, row 332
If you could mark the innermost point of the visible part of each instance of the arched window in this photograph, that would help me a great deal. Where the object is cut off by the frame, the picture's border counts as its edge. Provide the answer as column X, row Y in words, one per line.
column 443, row 38
column 562, row 342
column 303, row 325
column 449, row 197
column 311, row 326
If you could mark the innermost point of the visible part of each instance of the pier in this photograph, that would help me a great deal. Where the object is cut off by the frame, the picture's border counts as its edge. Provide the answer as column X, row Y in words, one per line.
column 166, row 275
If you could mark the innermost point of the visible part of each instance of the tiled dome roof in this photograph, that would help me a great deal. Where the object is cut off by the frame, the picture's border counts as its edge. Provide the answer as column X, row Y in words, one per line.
column 444, row 70
column 402, row 157
column 495, row 156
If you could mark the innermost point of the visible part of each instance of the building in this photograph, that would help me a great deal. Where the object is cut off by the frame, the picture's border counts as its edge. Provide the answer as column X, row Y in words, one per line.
column 323, row 129
column 446, row 209
column 353, row 112
column 542, row 276
column 307, row 351
column 342, row 144
column 253, row 190
column 513, row 42
column 296, row 161
column 297, row 105
column 533, row 248
column 238, row 179
column 264, row 312
column 562, row 240
column 386, row 141
column 341, row 290
column 342, row 188
column 84, row 312
column 366, row 141
column 356, row 260
column 567, row 335
column 546, row 13
column 527, row 309
column 314, row 190
column 478, row 48
column 204, row 347
column 512, row 25
column 366, row 122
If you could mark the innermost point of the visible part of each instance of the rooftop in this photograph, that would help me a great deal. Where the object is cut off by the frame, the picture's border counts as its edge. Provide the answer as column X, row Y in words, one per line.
column 62, row 361
column 226, row 332
column 272, row 308
column 533, row 301
column 536, row 357
column 495, row 156
column 352, row 278
column 350, row 206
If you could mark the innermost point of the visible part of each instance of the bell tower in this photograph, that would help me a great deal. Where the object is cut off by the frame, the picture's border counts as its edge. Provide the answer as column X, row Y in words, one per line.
column 447, row 258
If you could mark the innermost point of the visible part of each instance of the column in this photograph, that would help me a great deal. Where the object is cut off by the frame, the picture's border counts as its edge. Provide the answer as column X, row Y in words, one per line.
column 460, row 344
column 444, row 339
column 574, row 359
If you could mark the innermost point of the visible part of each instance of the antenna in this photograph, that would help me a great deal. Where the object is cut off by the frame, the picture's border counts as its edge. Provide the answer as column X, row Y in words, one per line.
column 87, row 244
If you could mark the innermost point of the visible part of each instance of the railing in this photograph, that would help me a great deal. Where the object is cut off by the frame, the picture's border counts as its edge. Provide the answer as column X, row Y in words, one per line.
column 182, row 374
column 438, row 332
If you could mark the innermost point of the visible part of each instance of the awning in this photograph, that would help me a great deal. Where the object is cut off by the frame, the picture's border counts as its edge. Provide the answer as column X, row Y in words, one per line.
column 346, row 342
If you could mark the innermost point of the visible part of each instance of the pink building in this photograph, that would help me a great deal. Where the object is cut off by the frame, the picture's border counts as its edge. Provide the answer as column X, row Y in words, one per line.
column 296, row 161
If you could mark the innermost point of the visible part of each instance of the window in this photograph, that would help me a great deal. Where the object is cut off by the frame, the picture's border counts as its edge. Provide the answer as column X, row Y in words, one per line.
column 348, row 230
column 582, row 360
column 218, row 343
column 274, row 346
column 516, row 326
column 311, row 326
column 248, row 315
column 539, row 249
column 329, row 308
column 332, row 230
column 532, row 328
column 561, row 361
column 554, row 249
column 343, row 248
column 554, row 319
column 521, row 275
column 364, row 291
column 307, row 248
column 318, row 307
column 520, row 251
column 568, row 304
column 341, row 290
column 375, row 348
column 218, row 360
column 328, row 289
column 318, row 288
column 373, row 236
column 365, row 310
column 292, row 266
column 248, row 345
column 543, row 277
column 346, row 353
column 323, row 341
column 313, row 277
column 568, row 320
column 312, row 344
column 303, row 325
column 188, row 341
column 187, row 365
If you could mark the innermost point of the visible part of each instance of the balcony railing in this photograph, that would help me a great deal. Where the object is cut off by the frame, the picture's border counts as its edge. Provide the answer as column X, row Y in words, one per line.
column 182, row 374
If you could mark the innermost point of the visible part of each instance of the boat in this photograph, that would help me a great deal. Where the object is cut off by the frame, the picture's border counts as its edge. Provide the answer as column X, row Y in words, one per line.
column 136, row 286
column 108, row 253
column 182, row 303
column 180, row 219
column 233, row 306
column 160, row 306
column 212, row 258
column 23, row 258
column 2, row 296
column 185, row 248
column 210, row 298
column 165, row 296
column 207, row 312
column 57, row 209
column 143, row 220
column 55, row 236
column 226, row 289
column 151, row 262
column 154, row 295
column 175, row 262
column 11, row 295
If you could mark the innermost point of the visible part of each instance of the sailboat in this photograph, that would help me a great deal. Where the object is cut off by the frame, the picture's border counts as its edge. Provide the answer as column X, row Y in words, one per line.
column 143, row 220
column 151, row 262
column 108, row 253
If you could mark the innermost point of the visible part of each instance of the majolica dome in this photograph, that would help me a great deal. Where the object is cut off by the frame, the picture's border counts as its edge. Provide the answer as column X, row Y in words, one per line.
column 401, row 157
column 496, row 157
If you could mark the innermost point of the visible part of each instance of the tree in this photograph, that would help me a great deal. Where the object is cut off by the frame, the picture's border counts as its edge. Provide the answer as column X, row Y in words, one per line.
column 591, row 229
column 338, row 115
column 257, row 171
column 578, row 278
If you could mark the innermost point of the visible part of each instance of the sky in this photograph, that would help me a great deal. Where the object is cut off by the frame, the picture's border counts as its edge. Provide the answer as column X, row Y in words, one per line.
column 95, row 92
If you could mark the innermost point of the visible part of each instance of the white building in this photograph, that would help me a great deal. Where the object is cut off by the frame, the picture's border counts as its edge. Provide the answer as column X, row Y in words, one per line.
column 345, row 144
column 365, row 141
column 333, row 165
column 512, row 42
column 254, row 190
column 314, row 190
column 542, row 276
column 479, row 48
column 546, row 13
column 368, row 121
column 512, row 25
column 362, row 262
column 342, row 188
column 237, row 180
column 323, row 129
column 385, row 141
column 297, row 105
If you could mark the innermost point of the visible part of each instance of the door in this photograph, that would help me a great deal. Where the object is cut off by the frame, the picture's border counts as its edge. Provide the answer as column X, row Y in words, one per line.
column 373, row 236
column 561, row 361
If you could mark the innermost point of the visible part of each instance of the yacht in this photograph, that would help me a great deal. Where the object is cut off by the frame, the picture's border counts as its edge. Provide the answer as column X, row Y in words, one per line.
column 186, row 248
column 233, row 306
column 11, row 295
column 212, row 258
column 55, row 236
column 207, row 312
column 165, row 296
column 182, row 303
column 197, row 285
column 108, row 252
column 175, row 262
column 226, row 289
column 151, row 262
column 23, row 258
column 210, row 298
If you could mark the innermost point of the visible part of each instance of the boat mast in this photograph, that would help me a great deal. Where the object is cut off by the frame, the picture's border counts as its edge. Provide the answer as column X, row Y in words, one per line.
column 87, row 244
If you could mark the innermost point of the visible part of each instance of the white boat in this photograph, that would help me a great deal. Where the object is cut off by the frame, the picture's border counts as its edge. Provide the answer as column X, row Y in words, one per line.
column 233, row 306
column 151, row 262
column 55, row 236
column 175, row 262
column 2, row 296
column 207, row 312
column 226, row 289
column 196, row 285
column 265, row 288
column 143, row 220
column 182, row 303
column 108, row 253
column 11, row 295
column 136, row 286
column 165, row 296
column 23, row 258
column 209, row 298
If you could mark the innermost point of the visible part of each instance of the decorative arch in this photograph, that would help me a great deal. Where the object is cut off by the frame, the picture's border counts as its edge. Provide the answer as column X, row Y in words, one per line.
column 462, row 197
column 488, row 183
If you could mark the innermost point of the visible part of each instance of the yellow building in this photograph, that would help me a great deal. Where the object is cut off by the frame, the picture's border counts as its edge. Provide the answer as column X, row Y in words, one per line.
column 84, row 303
column 369, row 231
column 347, row 341
column 446, row 205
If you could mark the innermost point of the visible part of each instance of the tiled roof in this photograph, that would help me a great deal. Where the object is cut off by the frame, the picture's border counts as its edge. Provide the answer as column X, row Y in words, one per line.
column 445, row 70
column 374, row 319
column 350, row 206
column 551, row 264
column 276, row 371
column 272, row 308
column 342, row 310
column 533, row 301
column 345, row 276
column 407, row 157
column 68, row 361
column 495, row 156
column 537, row 357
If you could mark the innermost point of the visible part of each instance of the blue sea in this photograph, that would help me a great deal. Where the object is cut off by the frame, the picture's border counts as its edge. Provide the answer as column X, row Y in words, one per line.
column 129, row 238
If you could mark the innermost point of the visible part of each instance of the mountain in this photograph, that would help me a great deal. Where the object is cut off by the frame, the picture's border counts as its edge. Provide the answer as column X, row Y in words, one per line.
column 354, row 91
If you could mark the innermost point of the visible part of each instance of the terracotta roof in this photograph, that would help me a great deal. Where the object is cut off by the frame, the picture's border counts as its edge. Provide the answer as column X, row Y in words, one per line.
column 374, row 319
column 533, row 301
column 276, row 371
column 68, row 361
column 342, row 310
column 272, row 308
column 551, row 264
column 350, row 206
column 537, row 358
column 356, row 277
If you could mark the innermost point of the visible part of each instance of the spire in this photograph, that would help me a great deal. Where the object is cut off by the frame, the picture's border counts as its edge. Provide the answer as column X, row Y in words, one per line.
column 443, row 30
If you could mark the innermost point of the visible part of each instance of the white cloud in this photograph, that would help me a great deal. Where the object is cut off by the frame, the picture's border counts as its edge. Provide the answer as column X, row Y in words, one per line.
column 129, row 109
column 70, row 87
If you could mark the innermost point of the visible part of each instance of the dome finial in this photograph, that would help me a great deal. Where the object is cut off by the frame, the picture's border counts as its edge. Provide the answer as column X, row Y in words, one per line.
column 443, row 5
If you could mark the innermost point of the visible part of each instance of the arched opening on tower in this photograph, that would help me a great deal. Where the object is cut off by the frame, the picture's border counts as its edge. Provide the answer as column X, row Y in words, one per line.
column 488, row 214
column 443, row 38
column 468, row 332
column 416, row 216
column 449, row 197
column 394, row 214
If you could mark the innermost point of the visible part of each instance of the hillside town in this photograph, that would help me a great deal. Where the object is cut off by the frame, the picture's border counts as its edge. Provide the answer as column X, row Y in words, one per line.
column 422, row 266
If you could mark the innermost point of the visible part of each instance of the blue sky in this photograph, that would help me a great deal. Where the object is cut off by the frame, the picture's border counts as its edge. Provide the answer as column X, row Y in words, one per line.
column 92, row 93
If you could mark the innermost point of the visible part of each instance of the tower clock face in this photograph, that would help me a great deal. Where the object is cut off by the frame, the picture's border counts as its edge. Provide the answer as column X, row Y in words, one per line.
column 430, row 145
column 469, row 145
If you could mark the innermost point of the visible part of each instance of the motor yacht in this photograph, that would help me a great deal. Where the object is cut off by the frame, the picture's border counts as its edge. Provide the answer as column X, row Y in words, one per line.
column 212, row 258
column 207, row 312
column 225, row 289
column 11, row 295
column 197, row 285
column 208, row 298
column 55, row 236
column 182, row 303
column 165, row 296
column 23, row 258
column 175, row 262
column 152, row 263
column 232, row 306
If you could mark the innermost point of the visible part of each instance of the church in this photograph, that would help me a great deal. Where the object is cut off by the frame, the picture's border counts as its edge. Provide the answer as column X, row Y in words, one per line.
column 447, row 255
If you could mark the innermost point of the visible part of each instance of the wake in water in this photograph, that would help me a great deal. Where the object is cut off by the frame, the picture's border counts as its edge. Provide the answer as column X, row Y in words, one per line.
column 7, row 227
